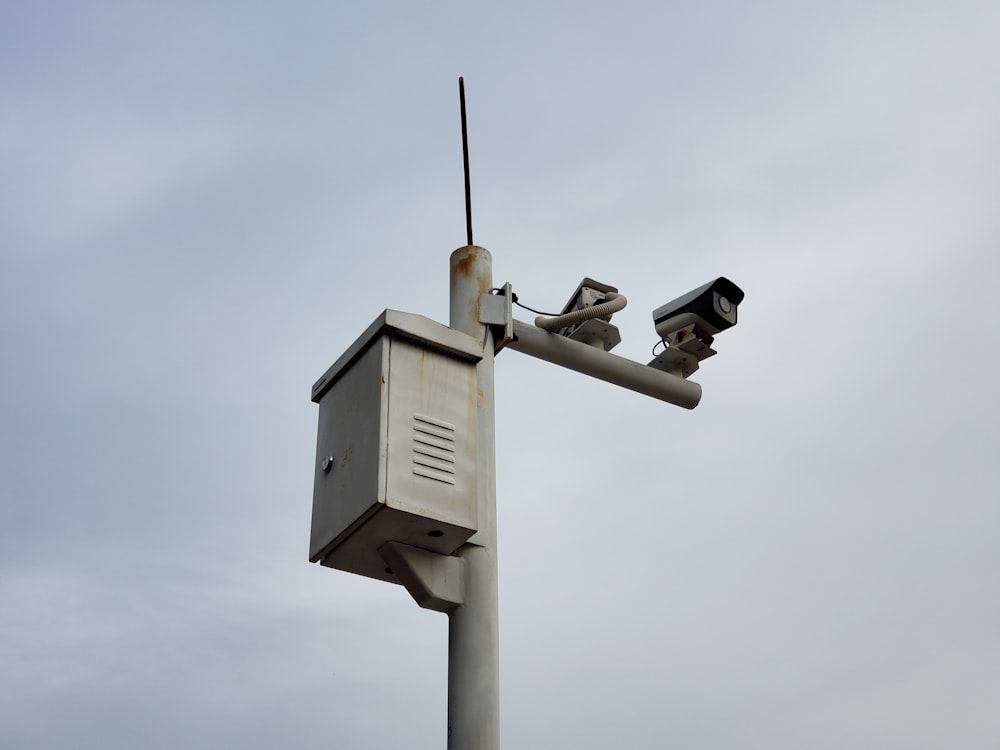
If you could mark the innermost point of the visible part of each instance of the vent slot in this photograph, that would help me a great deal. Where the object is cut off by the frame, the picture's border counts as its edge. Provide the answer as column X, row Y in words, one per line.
column 433, row 449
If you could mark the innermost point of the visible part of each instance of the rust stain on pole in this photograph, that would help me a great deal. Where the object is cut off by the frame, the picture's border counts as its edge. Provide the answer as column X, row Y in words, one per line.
column 465, row 265
column 471, row 278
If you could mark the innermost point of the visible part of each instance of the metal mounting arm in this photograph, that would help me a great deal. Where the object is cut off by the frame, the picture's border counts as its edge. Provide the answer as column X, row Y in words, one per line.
column 605, row 366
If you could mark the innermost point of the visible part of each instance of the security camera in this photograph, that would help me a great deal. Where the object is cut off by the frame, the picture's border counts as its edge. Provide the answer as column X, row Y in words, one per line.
column 587, row 315
column 691, row 320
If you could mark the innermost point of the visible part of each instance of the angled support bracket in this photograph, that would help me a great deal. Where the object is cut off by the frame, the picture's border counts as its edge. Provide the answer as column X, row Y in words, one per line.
column 496, row 311
column 434, row 581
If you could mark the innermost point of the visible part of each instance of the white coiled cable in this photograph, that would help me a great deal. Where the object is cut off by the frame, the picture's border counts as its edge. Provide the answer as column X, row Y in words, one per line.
column 613, row 302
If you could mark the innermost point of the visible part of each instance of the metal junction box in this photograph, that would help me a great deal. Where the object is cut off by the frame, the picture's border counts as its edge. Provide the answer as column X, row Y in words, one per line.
column 396, row 450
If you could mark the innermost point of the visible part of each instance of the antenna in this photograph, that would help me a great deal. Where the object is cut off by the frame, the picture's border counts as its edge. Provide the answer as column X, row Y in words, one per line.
column 465, row 159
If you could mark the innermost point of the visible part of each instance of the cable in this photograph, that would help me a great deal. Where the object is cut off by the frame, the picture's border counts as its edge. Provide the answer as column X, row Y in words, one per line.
column 529, row 309
column 513, row 299
column 613, row 302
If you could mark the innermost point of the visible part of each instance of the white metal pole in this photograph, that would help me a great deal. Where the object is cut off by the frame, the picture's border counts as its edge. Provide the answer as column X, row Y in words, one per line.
column 473, row 626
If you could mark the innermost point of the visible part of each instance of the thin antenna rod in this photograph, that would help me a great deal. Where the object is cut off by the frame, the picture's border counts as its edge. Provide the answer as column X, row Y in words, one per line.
column 465, row 159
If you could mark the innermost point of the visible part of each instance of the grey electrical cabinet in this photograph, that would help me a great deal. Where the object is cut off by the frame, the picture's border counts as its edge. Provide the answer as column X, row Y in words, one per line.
column 396, row 452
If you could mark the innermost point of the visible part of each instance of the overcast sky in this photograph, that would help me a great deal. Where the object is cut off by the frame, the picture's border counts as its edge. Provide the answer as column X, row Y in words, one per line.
column 203, row 204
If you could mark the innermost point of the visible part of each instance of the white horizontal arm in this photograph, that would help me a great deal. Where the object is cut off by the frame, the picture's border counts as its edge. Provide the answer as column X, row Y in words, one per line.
column 611, row 368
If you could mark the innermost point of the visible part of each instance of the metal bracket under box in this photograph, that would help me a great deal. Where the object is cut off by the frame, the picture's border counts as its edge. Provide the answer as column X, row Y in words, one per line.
column 396, row 455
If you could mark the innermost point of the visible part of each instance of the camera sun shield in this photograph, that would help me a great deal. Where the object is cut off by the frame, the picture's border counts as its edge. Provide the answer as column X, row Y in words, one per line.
column 711, row 308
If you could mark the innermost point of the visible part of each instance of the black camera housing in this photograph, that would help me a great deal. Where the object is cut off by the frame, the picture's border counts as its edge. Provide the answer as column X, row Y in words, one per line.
column 710, row 308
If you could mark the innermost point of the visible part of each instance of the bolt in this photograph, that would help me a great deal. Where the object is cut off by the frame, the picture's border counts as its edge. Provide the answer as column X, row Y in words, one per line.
column 327, row 463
